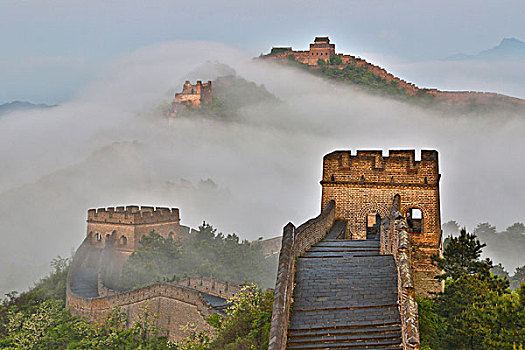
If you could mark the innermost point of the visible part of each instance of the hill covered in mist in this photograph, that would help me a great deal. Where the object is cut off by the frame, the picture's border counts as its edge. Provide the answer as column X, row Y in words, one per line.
column 21, row 106
column 507, row 49
column 373, row 79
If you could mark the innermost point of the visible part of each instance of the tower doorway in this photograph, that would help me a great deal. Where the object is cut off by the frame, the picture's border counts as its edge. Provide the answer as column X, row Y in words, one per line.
column 373, row 220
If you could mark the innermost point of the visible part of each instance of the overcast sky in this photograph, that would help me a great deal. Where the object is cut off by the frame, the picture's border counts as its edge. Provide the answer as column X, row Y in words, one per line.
column 52, row 49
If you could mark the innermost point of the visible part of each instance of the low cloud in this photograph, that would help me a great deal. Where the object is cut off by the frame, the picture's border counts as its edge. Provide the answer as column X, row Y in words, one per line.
column 250, row 175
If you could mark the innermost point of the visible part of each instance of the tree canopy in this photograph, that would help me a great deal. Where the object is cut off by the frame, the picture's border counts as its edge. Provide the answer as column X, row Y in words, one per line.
column 477, row 310
column 207, row 253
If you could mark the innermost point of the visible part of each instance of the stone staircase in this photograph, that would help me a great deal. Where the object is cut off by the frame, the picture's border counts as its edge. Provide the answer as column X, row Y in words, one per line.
column 345, row 297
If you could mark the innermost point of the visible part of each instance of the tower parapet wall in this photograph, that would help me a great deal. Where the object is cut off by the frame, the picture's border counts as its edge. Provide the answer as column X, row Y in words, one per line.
column 133, row 215
column 398, row 168
column 122, row 228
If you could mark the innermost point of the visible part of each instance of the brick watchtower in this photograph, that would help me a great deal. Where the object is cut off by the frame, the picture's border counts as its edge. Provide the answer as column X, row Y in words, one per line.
column 320, row 49
column 123, row 227
column 363, row 187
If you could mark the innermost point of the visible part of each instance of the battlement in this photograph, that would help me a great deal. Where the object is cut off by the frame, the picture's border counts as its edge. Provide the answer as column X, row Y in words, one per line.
column 194, row 94
column 133, row 215
column 370, row 166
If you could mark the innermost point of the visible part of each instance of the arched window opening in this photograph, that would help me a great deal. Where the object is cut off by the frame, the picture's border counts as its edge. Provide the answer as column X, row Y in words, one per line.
column 123, row 240
column 171, row 236
column 373, row 221
column 99, row 237
column 415, row 220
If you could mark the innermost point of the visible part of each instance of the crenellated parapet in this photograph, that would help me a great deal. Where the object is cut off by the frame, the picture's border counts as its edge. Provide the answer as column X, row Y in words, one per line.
column 399, row 167
column 133, row 215
column 122, row 228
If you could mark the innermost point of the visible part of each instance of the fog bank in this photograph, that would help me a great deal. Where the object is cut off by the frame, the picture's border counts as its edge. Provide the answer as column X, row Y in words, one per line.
column 249, row 176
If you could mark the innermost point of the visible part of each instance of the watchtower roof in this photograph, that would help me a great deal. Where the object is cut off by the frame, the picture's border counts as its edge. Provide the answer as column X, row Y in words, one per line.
column 322, row 39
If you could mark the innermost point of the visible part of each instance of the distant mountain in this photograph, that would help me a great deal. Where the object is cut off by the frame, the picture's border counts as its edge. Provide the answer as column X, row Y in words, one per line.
column 21, row 106
column 508, row 48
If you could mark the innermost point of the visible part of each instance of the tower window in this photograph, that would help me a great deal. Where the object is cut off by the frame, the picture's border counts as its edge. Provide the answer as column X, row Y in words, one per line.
column 414, row 218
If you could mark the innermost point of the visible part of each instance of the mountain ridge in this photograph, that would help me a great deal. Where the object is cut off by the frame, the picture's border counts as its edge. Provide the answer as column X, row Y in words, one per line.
column 507, row 49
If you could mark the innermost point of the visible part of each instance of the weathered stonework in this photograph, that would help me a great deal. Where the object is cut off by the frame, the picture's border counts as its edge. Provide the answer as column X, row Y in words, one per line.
column 191, row 96
column 113, row 234
column 367, row 183
column 372, row 197
column 295, row 242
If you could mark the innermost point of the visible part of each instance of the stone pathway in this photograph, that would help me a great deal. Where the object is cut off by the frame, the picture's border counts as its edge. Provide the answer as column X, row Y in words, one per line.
column 345, row 297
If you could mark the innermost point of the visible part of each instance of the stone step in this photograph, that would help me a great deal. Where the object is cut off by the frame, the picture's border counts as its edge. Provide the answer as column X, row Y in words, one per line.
column 348, row 243
column 349, row 330
column 345, row 338
column 373, row 344
column 345, row 297
column 305, row 318
column 323, row 248
column 339, row 254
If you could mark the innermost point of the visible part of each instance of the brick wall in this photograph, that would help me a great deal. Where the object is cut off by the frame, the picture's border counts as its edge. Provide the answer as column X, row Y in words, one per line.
column 367, row 182
column 295, row 242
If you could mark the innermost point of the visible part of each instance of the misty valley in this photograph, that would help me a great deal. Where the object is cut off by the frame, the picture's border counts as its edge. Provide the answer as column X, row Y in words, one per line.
column 302, row 199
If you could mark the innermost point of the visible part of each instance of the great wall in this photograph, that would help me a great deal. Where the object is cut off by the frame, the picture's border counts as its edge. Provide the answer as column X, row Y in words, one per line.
column 191, row 96
column 348, row 278
column 324, row 50
column 112, row 236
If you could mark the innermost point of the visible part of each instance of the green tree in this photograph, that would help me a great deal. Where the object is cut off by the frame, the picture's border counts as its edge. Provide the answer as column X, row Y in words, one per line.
column 247, row 322
column 461, row 257
column 476, row 311
column 49, row 326
column 152, row 262
column 518, row 278
column 206, row 253
column 336, row 60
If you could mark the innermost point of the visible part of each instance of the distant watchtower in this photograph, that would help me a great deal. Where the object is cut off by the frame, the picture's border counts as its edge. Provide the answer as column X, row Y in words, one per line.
column 363, row 187
column 123, row 227
column 320, row 49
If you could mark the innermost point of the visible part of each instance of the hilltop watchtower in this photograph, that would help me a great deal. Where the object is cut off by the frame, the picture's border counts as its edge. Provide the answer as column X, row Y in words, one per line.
column 320, row 49
column 123, row 227
column 363, row 187
column 194, row 95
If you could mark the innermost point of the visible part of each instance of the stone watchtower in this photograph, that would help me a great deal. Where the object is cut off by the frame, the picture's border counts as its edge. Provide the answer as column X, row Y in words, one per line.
column 363, row 187
column 194, row 95
column 123, row 227
column 320, row 49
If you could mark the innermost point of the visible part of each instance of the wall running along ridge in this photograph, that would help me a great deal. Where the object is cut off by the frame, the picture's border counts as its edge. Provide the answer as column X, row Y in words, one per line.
column 174, row 305
column 447, row 97
column 295, row 242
